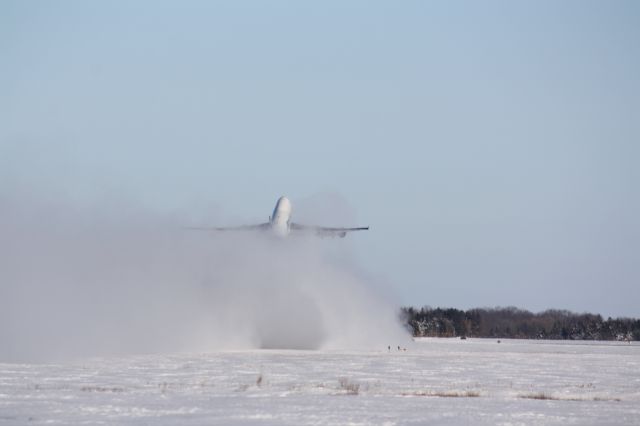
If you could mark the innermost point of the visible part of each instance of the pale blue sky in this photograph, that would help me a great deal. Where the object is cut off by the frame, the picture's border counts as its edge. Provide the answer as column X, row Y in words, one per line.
column 493, row 147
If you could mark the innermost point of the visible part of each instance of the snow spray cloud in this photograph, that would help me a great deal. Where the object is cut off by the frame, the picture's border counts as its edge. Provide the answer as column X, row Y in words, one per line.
column 112, row 280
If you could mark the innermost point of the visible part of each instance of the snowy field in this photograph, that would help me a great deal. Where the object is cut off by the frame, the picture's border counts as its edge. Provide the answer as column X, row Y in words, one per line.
column 435, row 381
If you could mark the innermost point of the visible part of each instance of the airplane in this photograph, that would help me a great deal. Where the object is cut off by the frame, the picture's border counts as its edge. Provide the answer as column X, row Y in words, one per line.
column 280, row 224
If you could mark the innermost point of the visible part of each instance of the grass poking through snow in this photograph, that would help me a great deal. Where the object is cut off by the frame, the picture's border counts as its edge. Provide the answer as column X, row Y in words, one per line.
column 545, row 396
column 348, row 387
column 444, row 394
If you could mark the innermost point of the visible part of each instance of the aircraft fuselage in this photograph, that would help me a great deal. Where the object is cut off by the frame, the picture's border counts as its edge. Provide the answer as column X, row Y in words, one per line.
column 281, row 217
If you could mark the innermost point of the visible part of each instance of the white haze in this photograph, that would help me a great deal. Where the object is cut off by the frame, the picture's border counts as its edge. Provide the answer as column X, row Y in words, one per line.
column 116, row 279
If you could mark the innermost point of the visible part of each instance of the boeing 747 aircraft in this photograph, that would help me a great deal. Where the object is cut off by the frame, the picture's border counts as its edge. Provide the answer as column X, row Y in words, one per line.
column 281, row 225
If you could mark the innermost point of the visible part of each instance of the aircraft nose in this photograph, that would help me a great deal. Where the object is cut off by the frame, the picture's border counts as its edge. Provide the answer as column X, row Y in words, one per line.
column 284, row 201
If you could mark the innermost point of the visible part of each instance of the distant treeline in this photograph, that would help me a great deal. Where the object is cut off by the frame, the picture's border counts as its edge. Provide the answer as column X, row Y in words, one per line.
column 517, row 323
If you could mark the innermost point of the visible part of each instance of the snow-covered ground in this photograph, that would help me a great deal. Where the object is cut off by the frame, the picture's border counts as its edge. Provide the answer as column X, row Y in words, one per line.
column 435, row 381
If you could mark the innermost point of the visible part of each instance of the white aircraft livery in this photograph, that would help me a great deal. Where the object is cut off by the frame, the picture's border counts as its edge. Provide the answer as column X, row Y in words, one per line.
column 280, row 224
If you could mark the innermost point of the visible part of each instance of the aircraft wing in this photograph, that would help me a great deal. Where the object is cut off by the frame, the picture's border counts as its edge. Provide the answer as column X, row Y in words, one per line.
column 258, row 227
column 324, row 231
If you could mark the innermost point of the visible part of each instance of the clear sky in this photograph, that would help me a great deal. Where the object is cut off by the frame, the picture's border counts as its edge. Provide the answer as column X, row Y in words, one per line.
column 493, row 147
